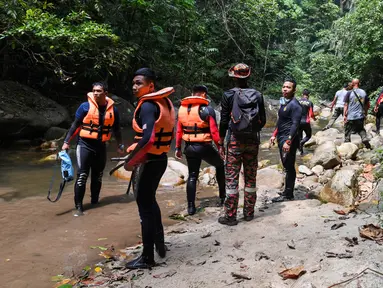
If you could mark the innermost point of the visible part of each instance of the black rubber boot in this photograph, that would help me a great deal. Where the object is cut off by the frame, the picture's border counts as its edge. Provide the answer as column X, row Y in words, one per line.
column 227, row 221
column 191, row 208
column 248, row 217
column 142, row 262
column 282, row 198
column 79, row 210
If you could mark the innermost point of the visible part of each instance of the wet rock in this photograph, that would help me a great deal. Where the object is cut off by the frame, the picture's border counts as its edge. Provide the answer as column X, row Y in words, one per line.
column 270, row 178
column 329, row 173
column 348, row 150
column 325, row 155
column 27, row 113
column 331, row 134
column 125, row 109
column 305, row 170
column 342, row 189
column 55, row 133
column 318, row 170
column 311, row 142
column 369, row 157
column 376, row 142
column 307, row 157
column 325, row 113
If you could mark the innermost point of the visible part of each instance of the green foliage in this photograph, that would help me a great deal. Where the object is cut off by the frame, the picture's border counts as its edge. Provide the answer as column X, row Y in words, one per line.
column 321, row 43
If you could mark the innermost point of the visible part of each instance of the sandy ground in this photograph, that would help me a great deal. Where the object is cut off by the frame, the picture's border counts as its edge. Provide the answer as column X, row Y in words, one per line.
column 259, row 250
column 40, row 239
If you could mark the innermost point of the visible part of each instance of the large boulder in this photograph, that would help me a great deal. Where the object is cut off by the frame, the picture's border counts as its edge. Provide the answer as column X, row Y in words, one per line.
column 55, row 133
column 125, row 109
column 271, row 108
column 325, row 155
column 325, row 113
column 331, row 134
column 376, row 142
column 348, row 150
column 270, row 178
column 343, row 188
column 317, row 110
column 25, row 113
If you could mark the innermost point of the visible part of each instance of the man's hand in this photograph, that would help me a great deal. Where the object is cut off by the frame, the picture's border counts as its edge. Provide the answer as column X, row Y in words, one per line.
column 178, row 154
column 272, row 140
column 345, row 119
column 65, row 146
column 286, row 147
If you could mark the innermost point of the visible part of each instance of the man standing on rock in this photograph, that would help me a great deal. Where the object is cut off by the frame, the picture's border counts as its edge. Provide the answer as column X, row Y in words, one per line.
column 286, row 133
column 339, row 104
column 356, row 105
column 197, row 126
column 307, row 114
column 95, row 121
column 243, row 114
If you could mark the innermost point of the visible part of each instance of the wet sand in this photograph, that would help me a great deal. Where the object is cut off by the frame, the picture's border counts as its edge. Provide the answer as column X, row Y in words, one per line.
column 40, row 239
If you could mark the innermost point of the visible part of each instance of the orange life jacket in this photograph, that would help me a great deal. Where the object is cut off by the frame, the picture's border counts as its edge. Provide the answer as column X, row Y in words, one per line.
column 164, row 126
column 90, row 125
column 194, row 128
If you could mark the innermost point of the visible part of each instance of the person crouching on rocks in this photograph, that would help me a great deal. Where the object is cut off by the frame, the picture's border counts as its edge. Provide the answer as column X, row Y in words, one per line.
column 197, row 126
column 153, row 122
column 286, row 133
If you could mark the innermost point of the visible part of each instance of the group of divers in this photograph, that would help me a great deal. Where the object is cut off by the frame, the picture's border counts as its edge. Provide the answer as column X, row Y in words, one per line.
column 242, row 118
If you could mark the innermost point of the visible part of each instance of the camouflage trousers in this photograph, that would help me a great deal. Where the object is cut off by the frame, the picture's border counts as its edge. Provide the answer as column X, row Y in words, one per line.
column 241, row 152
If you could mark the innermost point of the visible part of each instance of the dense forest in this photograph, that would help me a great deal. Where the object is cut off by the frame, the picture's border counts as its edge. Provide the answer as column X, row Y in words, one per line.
column 60, row 47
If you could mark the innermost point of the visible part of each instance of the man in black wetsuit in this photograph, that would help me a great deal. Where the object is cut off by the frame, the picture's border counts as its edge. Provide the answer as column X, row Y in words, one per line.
column 91, row 148
column 286, row 133
column 307, row 114
column 153, row 122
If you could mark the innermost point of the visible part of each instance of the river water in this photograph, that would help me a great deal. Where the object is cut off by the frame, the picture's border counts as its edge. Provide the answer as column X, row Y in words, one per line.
column 22, row 175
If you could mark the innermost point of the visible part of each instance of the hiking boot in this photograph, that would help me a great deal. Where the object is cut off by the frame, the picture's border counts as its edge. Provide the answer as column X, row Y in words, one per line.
column 367, row 144
column 142, row 262
column 282, row 198
column 94, row 201
column 191, row 208
column 78, row 212
column 161, row 249
column 248, row 217
column 227, row 221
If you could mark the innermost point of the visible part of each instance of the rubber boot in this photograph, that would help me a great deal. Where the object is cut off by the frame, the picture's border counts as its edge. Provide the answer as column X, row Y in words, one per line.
column 191, row 208
column 141, row 262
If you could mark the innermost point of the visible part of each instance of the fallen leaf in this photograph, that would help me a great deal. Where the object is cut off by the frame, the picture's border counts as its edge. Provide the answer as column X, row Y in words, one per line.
column 372, row 232
column 170, row 273
column 291, row 244
column 178, row 217
column 337, row 226
column 215, row 261
column 240, row 259
column 65, row 286
column 178, row 231
column 216, row 243
column 106, row 254
column 352, row 242
column 240, row 276
column 346, row 211
column 292, row 273
column 99, row 247
column 98, row 269
column 86, row 268
column 206, row 235
column 102, row 239
column 238, row 244
column 243, row 266
column 170, row 203
column 369, row 176
column 201, row 263
column 338, row 255
column 57, row 278
column 343, row 218
column 328, row 220
column 295, row 224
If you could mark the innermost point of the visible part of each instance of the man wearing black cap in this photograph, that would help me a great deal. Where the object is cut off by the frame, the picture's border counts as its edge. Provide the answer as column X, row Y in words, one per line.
column 243, row 115
column 197, row 126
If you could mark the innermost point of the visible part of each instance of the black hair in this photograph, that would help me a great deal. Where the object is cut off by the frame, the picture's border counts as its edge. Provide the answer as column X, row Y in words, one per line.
column 102, row 84
column 148, row 74
column 345, row 85
column 292, row 81
column 200, row 88
column 306, row 92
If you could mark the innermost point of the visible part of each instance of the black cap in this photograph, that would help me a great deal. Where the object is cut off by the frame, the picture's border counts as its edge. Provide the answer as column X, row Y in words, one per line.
column 200, row 88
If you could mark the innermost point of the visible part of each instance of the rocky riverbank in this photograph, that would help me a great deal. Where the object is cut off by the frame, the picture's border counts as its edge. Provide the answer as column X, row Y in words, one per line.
column 324, row 237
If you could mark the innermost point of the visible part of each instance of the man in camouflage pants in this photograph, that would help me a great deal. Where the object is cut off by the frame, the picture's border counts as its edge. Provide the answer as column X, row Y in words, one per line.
column 243, row 143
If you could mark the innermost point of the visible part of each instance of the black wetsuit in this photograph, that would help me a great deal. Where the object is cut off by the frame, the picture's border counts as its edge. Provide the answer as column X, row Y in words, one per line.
column 304, row 126
column 289, row 117
column 91, row 155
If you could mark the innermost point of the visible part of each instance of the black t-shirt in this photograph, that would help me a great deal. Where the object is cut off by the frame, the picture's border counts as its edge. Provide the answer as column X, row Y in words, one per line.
column 289, row 117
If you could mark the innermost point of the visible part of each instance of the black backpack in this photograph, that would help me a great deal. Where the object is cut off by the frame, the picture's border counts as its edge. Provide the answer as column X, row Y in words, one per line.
column 245, row 112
